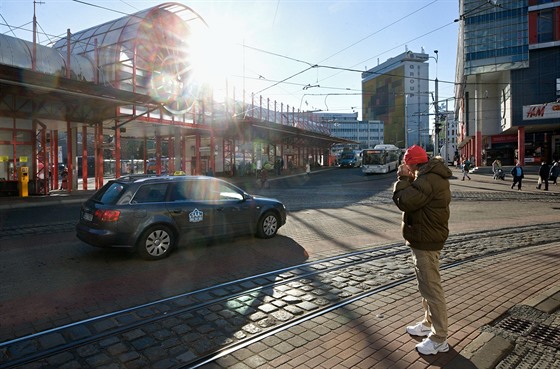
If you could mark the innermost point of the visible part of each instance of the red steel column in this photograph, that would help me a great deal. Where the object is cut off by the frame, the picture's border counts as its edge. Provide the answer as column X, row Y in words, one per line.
column 84, row 162
column 521, row 145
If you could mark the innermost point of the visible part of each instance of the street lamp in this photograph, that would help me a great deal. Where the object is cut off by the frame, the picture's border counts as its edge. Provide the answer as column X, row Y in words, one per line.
column 406, row 130
column 436, row 105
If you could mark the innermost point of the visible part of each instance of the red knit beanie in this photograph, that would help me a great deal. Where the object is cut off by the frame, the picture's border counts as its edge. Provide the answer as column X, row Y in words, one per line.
column 415, row 155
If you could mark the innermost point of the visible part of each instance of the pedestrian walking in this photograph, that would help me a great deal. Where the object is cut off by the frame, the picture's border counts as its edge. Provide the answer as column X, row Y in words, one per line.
column 554, row 172
column 544, row 173
column 517, row 174
column 422, row 193
column 466, row 168
column 307, row 168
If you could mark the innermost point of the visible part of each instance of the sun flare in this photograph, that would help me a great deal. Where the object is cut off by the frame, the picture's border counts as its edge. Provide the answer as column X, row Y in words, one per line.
column 215, row 54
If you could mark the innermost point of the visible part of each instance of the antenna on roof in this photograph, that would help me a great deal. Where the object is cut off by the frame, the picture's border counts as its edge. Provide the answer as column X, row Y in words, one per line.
column 34, row 56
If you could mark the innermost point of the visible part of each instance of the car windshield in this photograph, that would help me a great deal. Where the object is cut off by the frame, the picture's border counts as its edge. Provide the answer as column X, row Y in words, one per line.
column 110, row 193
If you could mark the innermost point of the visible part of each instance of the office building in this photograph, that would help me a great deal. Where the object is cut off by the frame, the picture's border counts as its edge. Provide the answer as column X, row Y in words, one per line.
column 346, row 126
column 508, row 81
column 396, row 92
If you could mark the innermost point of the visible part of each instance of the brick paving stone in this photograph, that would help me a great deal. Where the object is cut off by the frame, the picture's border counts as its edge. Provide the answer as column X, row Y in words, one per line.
column 284, row 347
column 154, row 353
column 279, row 303
column 87, row 350
column 71, row 365
column 117, row 349
column 270, row 354
column 166, row 363
column 129, row 356
column 104, row 325
column 77, row 332
column 290, row 299
column 371, row 333
column 267, row 308
column 307, row 306
column 98, row 360
column 294, row 310
column 51, row 340
column 58, row 360
column 186, row 357
column 132, row 335
column 143, row 343
column 296, row 341
column 139, row 363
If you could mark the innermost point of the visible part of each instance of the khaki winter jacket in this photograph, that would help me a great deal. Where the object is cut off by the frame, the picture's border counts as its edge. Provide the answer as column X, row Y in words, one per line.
column 425, row 205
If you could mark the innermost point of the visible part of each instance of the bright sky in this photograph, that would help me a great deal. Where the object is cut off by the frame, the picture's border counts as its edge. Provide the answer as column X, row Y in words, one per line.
column 283, row 39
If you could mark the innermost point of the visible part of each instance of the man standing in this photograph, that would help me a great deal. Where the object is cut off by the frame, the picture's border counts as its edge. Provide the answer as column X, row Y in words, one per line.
column 422, row 192
column 517, row 174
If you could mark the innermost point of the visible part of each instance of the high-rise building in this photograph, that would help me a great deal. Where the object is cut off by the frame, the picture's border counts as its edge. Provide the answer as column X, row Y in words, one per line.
column 396, row 92
column 508, row 81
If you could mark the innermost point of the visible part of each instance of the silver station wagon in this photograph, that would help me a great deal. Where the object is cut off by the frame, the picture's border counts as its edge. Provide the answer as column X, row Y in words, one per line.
column 152, row 213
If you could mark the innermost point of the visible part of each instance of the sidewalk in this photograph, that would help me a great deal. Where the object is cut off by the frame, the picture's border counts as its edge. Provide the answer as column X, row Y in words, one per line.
column 370, row 333
column 247, row 183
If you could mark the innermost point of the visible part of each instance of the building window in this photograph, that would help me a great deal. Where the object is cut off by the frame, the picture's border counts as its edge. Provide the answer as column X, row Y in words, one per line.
column 545, row 26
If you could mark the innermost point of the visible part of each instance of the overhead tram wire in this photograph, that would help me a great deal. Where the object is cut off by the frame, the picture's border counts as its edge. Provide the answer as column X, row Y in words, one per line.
column 285, row 79
column 101, row 7
column 374, row 33
column 10, row 29
column 348, row 69
column 355, row 43
column 396, row 47
column 335, row 68
column 379, row 30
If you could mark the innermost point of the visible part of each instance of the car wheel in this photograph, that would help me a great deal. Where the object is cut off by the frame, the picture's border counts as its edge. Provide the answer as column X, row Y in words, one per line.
column 156, row 243
column 267, row 225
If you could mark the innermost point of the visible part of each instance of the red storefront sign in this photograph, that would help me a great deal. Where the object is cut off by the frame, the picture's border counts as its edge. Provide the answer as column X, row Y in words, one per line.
column 504, row 138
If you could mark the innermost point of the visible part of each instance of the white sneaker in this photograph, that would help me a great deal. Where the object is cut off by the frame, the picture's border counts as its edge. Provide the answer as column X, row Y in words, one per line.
column 418, row 329
column 429, row 347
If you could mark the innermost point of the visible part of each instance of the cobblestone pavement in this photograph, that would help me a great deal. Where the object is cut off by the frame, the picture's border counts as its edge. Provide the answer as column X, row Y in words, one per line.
column 344, row 311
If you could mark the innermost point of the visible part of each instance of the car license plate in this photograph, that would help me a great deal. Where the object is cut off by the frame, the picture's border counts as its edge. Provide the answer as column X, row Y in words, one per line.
column 88, row 217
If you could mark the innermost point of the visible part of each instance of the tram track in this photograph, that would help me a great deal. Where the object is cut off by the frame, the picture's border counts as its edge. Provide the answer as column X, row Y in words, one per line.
column 209, row 323
column 295, row 201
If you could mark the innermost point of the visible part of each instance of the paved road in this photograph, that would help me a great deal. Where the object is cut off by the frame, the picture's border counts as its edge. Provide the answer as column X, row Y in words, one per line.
column 313, row 232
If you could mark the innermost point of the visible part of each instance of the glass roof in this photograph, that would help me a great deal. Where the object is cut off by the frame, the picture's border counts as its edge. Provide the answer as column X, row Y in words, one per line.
column 147, row 53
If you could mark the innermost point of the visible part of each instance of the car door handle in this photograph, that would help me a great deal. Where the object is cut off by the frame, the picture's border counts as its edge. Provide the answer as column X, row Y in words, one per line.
column 220, row 209
column 177, row 211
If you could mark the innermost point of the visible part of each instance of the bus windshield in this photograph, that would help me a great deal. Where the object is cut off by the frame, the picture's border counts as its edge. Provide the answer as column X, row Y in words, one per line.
column 372, row 157
column 383, row 159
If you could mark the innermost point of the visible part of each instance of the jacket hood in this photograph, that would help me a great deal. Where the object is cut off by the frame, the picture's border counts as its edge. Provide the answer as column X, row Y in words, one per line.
column 436, row 166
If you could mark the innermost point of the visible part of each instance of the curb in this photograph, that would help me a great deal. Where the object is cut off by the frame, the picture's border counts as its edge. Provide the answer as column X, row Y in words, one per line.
column 488, row 349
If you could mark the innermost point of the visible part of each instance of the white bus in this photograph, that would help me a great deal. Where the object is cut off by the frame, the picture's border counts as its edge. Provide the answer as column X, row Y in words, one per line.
column 381, row 159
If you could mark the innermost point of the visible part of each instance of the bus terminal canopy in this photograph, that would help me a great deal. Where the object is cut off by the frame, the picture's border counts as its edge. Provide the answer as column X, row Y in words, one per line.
column 133, row 78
